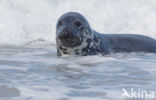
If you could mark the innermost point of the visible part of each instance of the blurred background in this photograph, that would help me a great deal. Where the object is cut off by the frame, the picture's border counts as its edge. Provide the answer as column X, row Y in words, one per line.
column 22, row 21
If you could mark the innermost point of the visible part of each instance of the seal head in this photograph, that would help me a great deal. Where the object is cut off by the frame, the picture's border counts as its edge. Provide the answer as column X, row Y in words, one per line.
column 72, row 30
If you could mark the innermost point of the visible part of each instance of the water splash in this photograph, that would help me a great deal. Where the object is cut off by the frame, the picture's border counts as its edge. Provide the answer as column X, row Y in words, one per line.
column 23, row 21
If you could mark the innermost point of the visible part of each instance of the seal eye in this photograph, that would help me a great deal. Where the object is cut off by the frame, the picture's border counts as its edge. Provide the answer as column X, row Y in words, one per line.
column 77, row 23
column 60, row 23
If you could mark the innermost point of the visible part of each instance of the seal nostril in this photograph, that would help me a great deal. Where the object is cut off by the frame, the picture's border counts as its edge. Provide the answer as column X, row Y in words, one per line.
column 66, row 35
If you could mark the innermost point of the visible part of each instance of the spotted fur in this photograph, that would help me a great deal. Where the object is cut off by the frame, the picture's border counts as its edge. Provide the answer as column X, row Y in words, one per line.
column 89, row 42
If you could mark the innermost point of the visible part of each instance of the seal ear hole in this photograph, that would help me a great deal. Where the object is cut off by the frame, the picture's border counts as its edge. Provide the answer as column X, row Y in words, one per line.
column 78, row 24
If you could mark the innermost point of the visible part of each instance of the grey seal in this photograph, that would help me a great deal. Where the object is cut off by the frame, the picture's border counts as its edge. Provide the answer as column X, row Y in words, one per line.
column 74, row 36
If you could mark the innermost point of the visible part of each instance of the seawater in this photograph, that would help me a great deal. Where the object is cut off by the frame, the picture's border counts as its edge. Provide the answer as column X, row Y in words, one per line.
column 31, row 70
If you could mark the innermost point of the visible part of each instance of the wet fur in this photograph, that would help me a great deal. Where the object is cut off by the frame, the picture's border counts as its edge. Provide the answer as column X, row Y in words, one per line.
column 93, row 43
